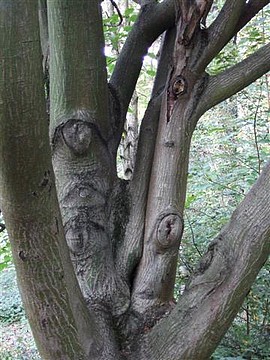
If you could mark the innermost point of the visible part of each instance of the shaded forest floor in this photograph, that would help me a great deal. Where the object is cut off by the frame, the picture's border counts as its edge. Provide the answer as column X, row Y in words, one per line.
column 16, row 342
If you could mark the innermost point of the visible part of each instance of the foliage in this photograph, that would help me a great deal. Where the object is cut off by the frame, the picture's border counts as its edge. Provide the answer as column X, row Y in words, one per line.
column 249, row 334
column 17, row 342
column 249, row 39
column 116, row 31
column 5, row 250
column 230, row 146
column 11, row 308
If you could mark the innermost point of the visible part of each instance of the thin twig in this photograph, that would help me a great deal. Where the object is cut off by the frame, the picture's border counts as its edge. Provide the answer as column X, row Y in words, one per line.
column 193, row 236
column 223, row 186
column 242, row 162
column 118, row 12
column 255, row 131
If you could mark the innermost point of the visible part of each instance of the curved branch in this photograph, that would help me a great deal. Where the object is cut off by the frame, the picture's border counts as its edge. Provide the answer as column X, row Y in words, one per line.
column 152, row 21
column 220, row 284
column 118, row 12
column 236, row 78
column 232, row 18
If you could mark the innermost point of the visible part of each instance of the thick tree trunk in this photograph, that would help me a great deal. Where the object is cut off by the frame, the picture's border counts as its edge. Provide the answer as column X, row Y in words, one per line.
column 85, row 169
column 123, row 236
column 61, row 325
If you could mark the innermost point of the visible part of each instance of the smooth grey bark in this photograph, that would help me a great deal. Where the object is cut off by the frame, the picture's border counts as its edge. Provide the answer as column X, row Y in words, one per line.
column 123, row 237
column 155, row 277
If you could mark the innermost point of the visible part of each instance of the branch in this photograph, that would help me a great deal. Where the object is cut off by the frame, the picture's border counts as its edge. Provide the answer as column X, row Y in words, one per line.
column 231, row 19
column 220, row 284
column 139, row 185
column 236, row 78
column 118, row 12
column 152, row 21
column 221, row 31
column 251, row 9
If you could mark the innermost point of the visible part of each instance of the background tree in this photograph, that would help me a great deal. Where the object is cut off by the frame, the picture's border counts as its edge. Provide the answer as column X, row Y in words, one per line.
column 123, row 236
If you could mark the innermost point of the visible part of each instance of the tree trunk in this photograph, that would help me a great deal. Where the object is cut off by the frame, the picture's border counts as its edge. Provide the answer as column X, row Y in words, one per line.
column 28, row 199
column 123, row 236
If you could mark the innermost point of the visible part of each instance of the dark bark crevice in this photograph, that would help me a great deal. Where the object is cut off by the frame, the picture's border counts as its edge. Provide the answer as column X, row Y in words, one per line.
column 116, row 120
column 121, row 206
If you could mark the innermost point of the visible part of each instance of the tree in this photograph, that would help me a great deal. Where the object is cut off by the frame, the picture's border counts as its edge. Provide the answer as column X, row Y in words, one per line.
column 123, row 236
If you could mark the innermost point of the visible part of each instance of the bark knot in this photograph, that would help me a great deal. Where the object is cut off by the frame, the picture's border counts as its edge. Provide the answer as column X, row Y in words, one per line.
column 22, row 255
column 179, row 86
column 77, row 135
column 169, row 231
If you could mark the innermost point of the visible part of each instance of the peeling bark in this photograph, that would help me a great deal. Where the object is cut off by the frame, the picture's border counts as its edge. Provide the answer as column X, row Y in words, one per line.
column 128, row 145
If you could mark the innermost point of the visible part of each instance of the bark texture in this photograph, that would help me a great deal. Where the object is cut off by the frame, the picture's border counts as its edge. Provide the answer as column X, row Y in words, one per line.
column 61, row 325
column 119, row 238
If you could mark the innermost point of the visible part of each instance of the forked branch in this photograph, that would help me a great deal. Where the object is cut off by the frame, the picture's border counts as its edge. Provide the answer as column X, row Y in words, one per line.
column 220, row 284
column 225, row 27
column 221, row 31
